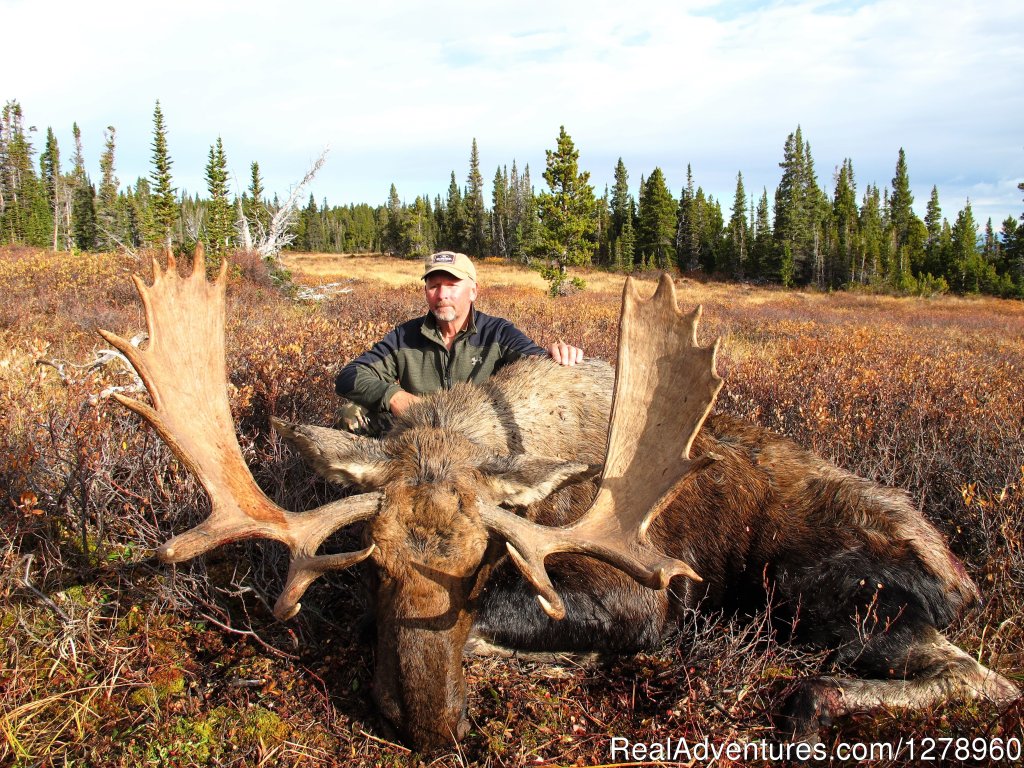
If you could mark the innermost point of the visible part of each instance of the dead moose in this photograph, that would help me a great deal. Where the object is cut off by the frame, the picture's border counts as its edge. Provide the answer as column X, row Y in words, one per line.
column 479, row 485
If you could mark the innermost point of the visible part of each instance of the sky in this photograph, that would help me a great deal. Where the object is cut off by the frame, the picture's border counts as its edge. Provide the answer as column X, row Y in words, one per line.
column 398, row 90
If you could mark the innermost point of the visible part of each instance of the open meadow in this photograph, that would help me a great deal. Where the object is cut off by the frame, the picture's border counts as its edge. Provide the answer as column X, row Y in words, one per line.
column 110, row 659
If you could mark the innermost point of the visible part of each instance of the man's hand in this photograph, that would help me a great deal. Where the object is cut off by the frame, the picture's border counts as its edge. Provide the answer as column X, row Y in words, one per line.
column 400, row 401
column 565, row 354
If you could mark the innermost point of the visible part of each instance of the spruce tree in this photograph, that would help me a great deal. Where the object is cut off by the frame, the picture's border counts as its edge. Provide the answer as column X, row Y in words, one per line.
column 313, row 234
column 762, row 254
column 907, row 252
column 872, row 249
column 935, row 256
column 454, row 236
column 991, row 248
column 476, row 213
column 141, row 226
column 968, row 271
column 901, row 201
column 1015, row 250
column 626, row 244
column 817, row 212
column 699, row 229
column 527, row 224
column 24, row 210
column 418, row 235
column 567, row 210
column 738, row 235
column 1012, row 235
column 256, row 212
column 656, row 222
column 131, row 219
column 500, row 218
column 790, row 216
column 843, row 268
column 800, row 209
column 712, row 229
column 620, row 200
column 440, row 225
column 164, row 200
column 78, row 159
column 108, row 224
column 219, row 221
column 933, row 216
column 687, row 226
column 83, row 212
column 604, row 228
column 394, row 229
column 53, row 183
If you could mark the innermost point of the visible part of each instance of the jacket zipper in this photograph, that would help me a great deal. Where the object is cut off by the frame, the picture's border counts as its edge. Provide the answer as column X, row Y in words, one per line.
column 448, row 366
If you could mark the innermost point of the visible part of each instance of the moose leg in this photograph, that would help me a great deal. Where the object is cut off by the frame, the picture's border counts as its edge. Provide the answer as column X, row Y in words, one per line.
column 935, row 670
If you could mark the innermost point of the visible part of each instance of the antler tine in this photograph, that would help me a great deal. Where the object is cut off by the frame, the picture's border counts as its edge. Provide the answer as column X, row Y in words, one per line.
column 184, row 370
column 665, row 386
column 529, row 545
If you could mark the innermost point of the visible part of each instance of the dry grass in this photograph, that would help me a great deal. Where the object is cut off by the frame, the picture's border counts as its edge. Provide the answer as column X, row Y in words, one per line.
column 111, row 660
column 493, row 273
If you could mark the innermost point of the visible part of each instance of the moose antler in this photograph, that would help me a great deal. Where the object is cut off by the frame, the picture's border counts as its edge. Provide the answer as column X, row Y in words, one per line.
column 665, row 386
column 184, row 371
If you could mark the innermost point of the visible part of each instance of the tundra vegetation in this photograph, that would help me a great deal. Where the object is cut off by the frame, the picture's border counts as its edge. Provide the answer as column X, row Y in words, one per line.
column 110, row 659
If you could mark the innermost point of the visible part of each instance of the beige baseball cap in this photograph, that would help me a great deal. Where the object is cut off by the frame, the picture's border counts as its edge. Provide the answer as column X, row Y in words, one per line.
column 458, row 264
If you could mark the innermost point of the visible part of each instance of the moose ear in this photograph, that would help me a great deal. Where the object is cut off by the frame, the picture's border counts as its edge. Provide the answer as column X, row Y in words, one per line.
column 338, row 456
column 520, row 480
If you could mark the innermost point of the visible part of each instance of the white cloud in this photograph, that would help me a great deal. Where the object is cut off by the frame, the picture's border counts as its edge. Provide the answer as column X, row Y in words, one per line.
column 400, row 89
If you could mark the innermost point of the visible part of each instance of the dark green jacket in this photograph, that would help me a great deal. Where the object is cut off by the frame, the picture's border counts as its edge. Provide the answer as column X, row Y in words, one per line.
column 413, row 357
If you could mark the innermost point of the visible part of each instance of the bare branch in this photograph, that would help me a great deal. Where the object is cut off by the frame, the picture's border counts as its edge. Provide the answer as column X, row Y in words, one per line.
column 280, row 234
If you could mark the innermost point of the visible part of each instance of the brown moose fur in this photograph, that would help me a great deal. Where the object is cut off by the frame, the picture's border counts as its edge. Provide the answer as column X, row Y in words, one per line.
column 850, row 564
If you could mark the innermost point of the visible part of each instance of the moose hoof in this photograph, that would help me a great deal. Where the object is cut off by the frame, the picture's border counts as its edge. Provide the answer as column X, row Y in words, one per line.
column 808, row 709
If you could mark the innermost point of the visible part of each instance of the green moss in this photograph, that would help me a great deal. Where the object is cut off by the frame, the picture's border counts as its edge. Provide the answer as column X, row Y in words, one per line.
column 266, row 726
column 8, row 621
column 191, row 741
column 71, row 538
column 129, row 622
column 75, row 595
column 166, row 683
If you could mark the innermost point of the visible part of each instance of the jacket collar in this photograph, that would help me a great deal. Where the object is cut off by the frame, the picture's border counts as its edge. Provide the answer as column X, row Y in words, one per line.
column 430, row 330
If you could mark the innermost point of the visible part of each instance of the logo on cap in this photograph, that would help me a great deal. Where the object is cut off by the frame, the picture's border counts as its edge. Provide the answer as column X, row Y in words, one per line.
column 457, row 264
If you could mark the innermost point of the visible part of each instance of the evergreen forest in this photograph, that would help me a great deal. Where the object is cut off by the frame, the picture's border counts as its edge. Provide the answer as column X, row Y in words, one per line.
column 807, row 234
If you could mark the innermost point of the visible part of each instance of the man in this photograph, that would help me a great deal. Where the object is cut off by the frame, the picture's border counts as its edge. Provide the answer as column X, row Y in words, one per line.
column 453, row 342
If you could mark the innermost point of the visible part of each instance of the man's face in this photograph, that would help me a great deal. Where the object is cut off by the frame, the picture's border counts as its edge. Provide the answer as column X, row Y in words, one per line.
column 449, row 298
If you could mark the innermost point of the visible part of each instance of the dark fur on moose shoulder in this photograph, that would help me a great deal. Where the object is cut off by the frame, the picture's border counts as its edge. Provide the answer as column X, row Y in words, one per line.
column 851, row 565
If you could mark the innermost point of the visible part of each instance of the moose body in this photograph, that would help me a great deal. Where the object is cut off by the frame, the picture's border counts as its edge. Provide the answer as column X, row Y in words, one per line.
column 767, row 520
column 849, row 565
column 483, row 512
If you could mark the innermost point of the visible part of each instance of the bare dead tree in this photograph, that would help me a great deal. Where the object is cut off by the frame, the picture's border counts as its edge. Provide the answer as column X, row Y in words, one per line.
column 114, row 239
column 244, row 230
column 192, row 220
column 102, row 358
column 66, row 198
column 269, row 242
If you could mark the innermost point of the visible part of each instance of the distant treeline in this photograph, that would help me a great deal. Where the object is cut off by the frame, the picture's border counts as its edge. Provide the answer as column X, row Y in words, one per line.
column 807, row 236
